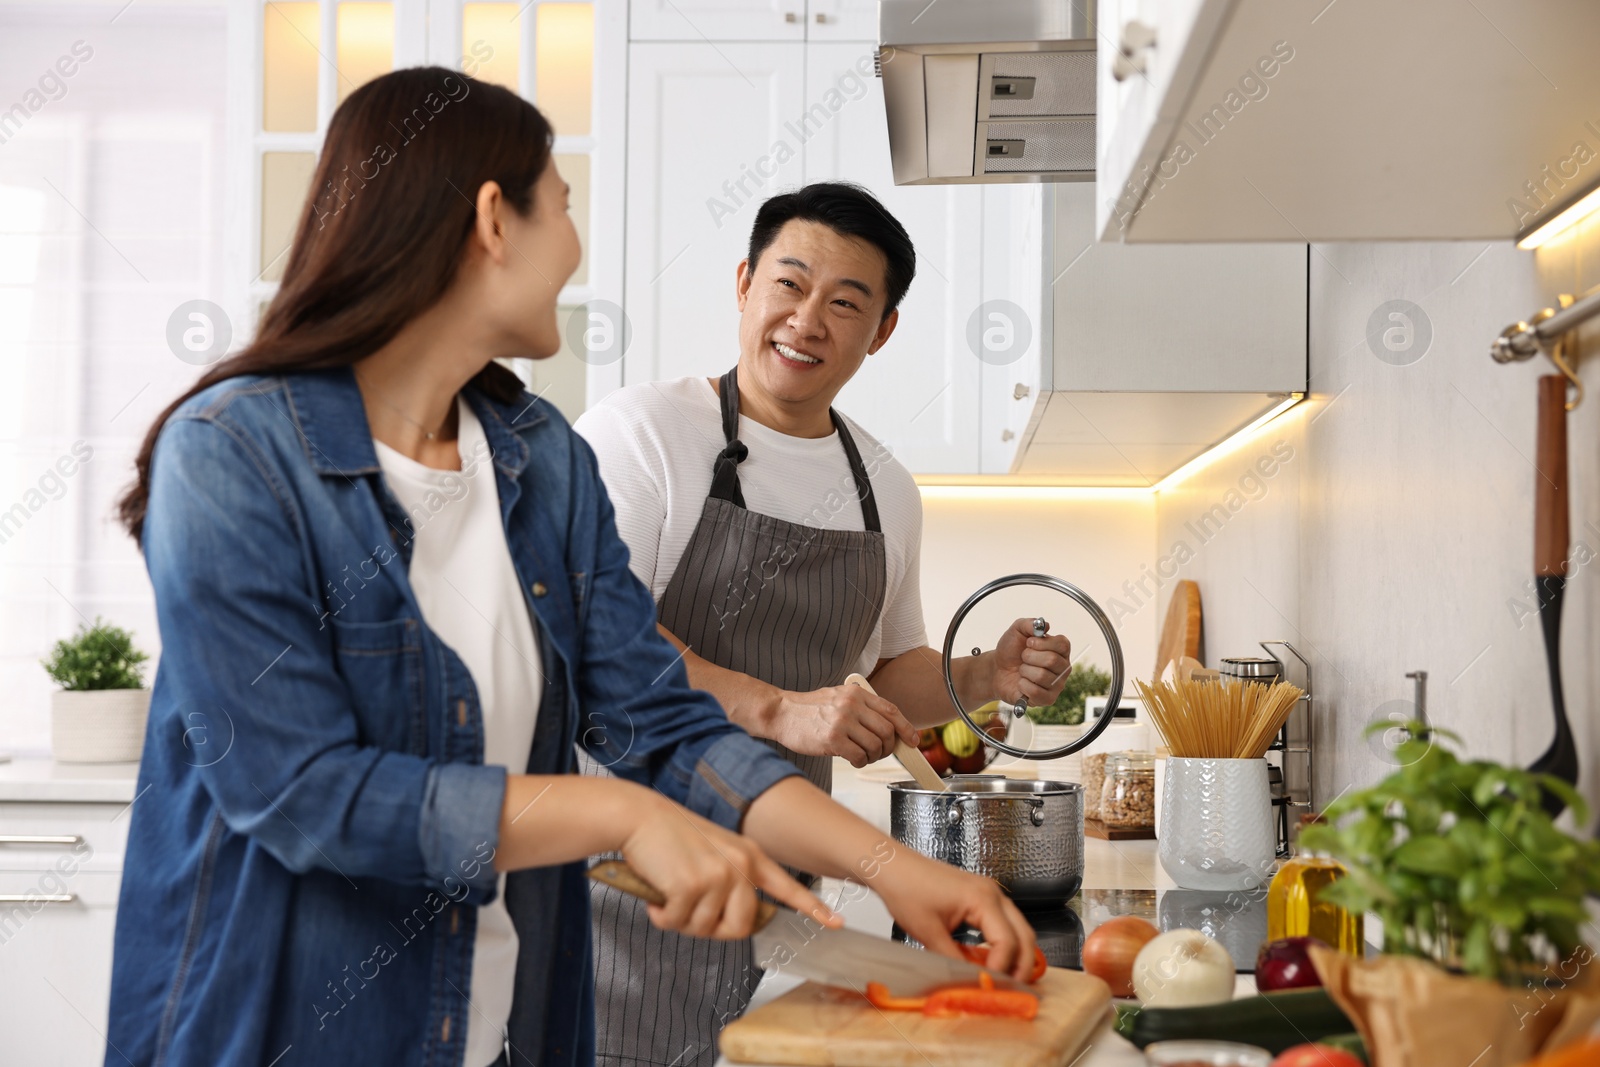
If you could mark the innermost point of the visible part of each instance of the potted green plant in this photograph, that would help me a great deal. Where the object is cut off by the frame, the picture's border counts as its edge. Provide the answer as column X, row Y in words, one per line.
column 1085, row 680
column 1460, row 861
column 1482, row 899
column 98, row 715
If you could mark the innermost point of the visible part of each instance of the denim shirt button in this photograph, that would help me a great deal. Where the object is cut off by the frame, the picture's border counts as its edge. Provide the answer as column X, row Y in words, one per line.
column 461, row 713
column 539, row 589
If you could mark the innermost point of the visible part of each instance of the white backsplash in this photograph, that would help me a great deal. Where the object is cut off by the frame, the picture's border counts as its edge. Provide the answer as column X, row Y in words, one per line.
column 1398, row 536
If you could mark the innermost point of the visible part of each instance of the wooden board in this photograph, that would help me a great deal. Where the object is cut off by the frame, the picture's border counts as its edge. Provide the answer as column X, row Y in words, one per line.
column 1180, row 632
column 1097, row 829
column 829, row 1027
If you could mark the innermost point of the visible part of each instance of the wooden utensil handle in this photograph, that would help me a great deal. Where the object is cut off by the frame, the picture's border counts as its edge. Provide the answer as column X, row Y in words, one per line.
column 1552, row 533
column 912, row 759
column 618, row 875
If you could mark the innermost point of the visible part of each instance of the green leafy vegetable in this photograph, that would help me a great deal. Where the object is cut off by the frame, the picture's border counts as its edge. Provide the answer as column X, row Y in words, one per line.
column 1085, row 680
column 1460, row 861
column 101, row 656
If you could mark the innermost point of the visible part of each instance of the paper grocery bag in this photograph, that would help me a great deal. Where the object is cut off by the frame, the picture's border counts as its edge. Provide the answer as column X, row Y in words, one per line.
column 1410, row 1011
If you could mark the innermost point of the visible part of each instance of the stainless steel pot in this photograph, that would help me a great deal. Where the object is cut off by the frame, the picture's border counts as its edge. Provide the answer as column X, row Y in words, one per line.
column 1026, row 835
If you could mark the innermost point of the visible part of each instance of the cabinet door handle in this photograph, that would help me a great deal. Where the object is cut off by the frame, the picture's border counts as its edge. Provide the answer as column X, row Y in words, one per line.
column 1137, row 40
column 821, row 18
column 37, row 898
column 36, row 839
column 789, row 16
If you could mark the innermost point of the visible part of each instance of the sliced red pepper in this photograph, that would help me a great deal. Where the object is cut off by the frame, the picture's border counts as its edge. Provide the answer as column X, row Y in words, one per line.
column 995, row 1003
column 979, row 954
column 878, row 995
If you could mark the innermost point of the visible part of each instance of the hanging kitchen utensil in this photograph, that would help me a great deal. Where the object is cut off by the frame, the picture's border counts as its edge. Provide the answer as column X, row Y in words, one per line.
column 911, row 758
column 1551, row 541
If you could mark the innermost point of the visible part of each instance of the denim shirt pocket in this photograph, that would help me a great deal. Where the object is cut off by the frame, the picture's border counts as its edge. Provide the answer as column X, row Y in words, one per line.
column 381, row 663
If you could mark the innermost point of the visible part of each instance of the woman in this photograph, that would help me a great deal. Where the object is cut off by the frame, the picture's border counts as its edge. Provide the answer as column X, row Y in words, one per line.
column 392, row 600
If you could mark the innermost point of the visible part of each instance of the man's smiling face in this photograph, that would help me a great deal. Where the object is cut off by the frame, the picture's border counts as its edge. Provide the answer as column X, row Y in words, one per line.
column 810, row 312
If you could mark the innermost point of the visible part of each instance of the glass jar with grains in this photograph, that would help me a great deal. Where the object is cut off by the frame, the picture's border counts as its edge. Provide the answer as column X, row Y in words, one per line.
column 1128, row 794
column 1094, row 776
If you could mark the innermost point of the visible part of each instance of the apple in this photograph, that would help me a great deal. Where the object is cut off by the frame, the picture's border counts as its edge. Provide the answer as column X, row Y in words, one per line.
column 938, row 758
column 1286, row 964
column 1317, row 1056
column 970, row 764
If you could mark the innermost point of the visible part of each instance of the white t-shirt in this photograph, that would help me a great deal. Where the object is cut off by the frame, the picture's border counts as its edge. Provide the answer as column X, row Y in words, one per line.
column 657, row 443
column 471, row 597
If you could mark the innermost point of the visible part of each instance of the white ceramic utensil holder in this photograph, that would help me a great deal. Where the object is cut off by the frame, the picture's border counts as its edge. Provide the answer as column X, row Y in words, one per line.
column 1216, row 823
column 98, row 725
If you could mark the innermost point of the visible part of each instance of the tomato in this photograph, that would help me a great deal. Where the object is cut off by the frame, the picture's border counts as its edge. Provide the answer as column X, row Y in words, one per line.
column 1316, row 1056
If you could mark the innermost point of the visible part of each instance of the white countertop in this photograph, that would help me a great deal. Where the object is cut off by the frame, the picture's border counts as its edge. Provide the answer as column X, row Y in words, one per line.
column 35, row 777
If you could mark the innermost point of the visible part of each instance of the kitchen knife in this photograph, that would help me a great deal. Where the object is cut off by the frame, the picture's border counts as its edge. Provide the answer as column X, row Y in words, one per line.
column 790, row 943
column 912, row 759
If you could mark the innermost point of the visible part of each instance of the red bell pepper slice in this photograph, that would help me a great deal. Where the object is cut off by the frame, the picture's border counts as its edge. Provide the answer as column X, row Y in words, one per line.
column 979, row 954
column 878, row 996
column 995, row 1003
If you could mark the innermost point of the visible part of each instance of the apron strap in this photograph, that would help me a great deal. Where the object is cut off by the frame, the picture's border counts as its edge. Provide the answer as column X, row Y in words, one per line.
column 725, row 475
column 869, row 503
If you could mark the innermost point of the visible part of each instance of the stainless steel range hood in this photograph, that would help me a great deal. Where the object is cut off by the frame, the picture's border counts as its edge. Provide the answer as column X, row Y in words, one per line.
column 989, row 90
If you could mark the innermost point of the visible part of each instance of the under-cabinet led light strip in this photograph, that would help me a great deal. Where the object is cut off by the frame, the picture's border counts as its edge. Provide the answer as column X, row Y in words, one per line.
column 954, row 487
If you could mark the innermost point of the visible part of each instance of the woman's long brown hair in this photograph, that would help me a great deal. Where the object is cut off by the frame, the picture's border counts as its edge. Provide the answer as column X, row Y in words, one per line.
column 391, row 205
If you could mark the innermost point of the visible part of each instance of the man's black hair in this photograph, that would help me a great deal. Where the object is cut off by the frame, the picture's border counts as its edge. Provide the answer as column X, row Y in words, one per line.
column 847, row 209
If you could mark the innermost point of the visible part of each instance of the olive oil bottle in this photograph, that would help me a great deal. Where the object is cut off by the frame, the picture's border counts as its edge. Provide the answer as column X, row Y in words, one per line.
column 1293, row 909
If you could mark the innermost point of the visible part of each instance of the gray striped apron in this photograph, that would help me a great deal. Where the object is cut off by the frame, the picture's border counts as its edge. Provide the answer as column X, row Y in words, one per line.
column 793, row 605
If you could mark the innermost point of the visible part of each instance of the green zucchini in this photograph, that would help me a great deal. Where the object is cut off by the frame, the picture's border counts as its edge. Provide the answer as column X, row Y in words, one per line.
column 1350, row 1043
column 1273, row 1021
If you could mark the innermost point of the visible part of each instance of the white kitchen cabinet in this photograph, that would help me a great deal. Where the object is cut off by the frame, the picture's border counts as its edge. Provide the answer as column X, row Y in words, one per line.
column 919, row 393
column 1256, row 120
column 717, row 20
column 754, row 20
column 55, row 956
column 714, row 130
column 709, row 138
column 842, row 20
column 1158, row 352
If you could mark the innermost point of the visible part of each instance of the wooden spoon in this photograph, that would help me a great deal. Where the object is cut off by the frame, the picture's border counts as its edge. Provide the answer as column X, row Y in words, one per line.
column 912, row 759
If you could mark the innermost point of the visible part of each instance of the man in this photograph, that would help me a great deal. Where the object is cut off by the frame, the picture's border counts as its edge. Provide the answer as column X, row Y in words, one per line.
column 782, row 548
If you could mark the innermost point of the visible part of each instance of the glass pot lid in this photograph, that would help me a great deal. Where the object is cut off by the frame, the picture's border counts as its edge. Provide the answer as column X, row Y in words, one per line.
column 1009, row 724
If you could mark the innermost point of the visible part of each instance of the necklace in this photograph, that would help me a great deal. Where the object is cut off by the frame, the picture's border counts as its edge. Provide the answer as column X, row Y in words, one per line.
column 431, row 435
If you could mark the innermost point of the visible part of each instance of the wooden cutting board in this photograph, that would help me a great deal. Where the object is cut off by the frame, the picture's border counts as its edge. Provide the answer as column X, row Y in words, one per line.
column 823, row 1025
column 1180, row 633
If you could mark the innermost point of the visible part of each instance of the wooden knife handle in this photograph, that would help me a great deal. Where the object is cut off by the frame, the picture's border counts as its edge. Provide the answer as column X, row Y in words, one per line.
column 1552, row 532
column 618, row 875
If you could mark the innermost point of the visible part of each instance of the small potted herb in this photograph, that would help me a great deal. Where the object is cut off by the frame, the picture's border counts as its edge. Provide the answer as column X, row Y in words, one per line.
column 1460, row 861
column 1085, row 680
column 98, row 715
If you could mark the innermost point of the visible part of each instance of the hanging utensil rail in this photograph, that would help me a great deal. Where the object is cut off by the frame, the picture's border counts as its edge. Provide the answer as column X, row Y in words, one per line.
column 1547, row 332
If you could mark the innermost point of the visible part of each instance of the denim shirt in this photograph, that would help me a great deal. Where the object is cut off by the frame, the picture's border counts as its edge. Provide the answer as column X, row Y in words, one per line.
column 315, row 825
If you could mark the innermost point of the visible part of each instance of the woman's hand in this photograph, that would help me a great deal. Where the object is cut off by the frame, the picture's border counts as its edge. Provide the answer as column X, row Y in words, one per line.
column 929, row 899
column 841, row 720
column 1031, row 668
column 708, row 875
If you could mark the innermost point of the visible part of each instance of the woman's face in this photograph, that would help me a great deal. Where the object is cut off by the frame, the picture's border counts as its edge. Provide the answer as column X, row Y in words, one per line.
column 541, row 254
